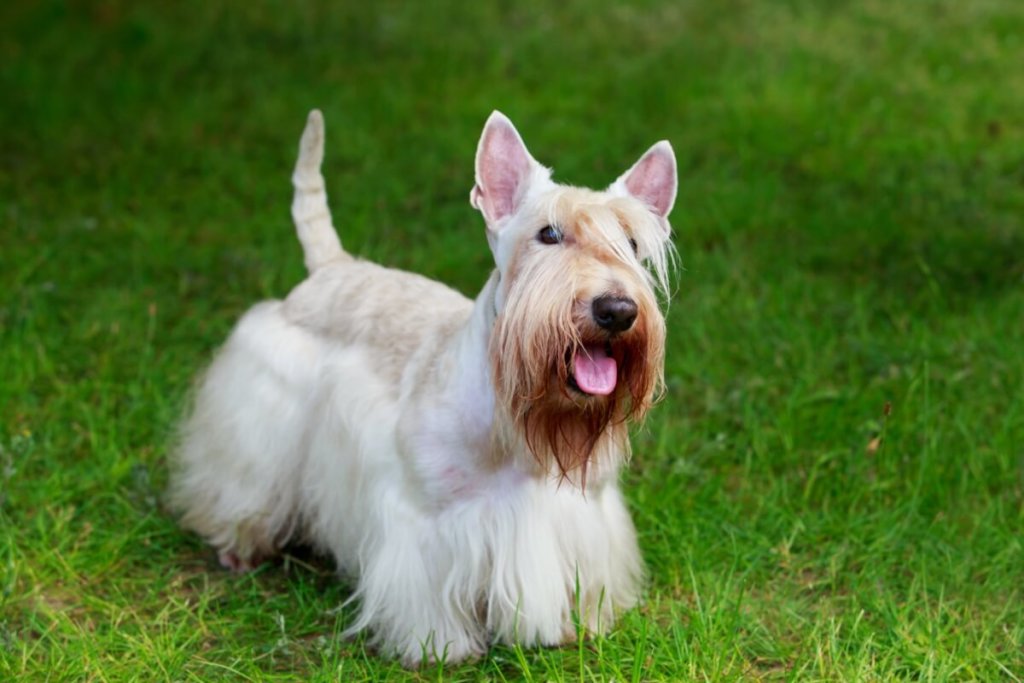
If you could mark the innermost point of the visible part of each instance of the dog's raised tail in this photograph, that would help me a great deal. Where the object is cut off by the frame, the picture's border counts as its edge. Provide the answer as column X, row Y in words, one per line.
column 320, row 243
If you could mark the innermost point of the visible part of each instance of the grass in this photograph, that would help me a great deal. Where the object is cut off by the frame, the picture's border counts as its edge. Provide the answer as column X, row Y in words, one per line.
column 850, row 219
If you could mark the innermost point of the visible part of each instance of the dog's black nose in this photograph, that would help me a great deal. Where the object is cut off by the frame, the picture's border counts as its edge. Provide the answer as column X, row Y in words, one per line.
column 614, row 313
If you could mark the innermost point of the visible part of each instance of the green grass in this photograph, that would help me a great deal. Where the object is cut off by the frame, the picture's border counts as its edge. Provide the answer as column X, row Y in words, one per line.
column 851, row 224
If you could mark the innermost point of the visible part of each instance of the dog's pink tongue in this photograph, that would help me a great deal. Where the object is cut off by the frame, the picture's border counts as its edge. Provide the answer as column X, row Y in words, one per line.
column 595, row 371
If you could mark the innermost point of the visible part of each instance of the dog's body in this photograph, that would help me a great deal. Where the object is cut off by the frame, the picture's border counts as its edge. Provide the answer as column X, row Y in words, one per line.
column 458, row 458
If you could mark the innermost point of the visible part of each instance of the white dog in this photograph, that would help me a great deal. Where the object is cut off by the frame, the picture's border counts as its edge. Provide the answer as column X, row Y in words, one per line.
column 457, row 458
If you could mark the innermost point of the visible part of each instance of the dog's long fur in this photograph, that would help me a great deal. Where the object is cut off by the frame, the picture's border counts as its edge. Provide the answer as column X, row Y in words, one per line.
column 435, row 446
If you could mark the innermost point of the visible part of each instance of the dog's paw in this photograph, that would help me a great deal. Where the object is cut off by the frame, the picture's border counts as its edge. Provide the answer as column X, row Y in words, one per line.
column 232, row 562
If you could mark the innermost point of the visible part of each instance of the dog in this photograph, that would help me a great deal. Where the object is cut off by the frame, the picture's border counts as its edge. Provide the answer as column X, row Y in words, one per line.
column 458, row 459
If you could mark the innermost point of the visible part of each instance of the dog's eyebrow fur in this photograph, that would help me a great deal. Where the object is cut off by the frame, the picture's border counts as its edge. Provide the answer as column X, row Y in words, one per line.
column 604, row 221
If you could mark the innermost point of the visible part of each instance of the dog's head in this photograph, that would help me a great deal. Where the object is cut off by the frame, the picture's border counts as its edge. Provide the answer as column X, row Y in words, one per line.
column 578, row 344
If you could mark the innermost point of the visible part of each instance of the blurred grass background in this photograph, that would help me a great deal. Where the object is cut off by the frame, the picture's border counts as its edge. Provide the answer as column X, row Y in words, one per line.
column 850, row 225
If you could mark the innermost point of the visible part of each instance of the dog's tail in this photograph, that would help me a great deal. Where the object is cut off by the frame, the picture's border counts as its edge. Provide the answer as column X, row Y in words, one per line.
column 320, row 243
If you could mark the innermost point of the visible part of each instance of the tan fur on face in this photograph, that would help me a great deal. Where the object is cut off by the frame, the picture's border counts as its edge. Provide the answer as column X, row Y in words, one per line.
column 547, row 320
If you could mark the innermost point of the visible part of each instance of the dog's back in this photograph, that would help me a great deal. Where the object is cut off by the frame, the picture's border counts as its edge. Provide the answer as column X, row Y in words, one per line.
column 358, row 303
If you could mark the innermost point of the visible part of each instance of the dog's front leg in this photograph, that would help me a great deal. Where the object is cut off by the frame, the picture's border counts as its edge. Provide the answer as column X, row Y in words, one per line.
column 414, row 594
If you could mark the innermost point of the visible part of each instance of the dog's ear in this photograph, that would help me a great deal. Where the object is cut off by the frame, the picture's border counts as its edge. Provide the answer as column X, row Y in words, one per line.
column 503, row 166
column 652, row 180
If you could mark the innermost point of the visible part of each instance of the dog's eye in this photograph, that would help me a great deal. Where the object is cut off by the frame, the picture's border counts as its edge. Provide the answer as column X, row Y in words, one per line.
column 632, row 243
column 549, row 235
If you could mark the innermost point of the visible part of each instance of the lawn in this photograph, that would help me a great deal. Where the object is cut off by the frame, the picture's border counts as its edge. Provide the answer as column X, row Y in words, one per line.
column 833, row 485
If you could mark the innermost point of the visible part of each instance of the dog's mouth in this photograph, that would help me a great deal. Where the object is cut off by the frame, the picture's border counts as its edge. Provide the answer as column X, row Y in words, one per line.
column 594, row 370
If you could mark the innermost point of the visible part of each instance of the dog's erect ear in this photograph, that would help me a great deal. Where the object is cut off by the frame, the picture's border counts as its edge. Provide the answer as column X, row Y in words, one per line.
column 652, row 180
column 503, row 165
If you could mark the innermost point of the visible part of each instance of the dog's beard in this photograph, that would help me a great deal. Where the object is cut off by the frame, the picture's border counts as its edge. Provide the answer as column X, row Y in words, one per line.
column 534, row 348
